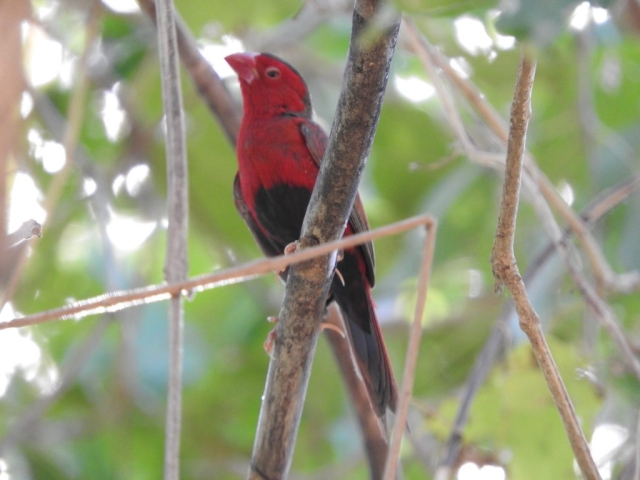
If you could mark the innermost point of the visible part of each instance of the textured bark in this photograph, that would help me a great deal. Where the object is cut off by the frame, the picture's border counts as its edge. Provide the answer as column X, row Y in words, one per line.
column 352, row 133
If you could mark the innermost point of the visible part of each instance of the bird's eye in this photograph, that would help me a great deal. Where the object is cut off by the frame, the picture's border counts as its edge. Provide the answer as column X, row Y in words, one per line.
column 272, row 72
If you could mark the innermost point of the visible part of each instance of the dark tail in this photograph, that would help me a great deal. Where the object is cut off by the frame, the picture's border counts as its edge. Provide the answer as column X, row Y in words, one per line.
column 354, row 300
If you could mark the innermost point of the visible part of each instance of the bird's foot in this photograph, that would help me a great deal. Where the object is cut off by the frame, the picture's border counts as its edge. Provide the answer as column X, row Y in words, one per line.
column 291, row 248
column 271, row 337
column 332, row 326
column 288, row 250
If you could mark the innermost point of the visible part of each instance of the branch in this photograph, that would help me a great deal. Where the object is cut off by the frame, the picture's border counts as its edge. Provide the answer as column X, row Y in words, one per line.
column 505, row 268
column 500, row 331
column 412, row 353
column 331, row 202
column 13, row 83
column 71, row 134
column 535, row 180
column 176, row 265
column 374, row 433
column 541, row 191
column 114, row 301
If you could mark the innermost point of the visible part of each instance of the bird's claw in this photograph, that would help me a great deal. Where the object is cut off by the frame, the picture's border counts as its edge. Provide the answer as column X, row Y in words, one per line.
column 288, row 250
column 291, row 248
column 334, row 327
column 269, row 342
column 271, row 337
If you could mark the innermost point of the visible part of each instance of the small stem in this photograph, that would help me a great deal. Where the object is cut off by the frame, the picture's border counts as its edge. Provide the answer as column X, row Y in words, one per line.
column 176, row 265
column 411, row 361
column 505, row 267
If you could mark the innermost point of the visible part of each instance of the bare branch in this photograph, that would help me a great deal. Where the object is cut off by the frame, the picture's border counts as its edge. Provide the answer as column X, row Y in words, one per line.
column 12, row 14
column 176, row 265
column 505, row 268
column 534, row 179
column 540, row 189
column 412, row 353
column 499, row 333
column 71, row 134
column 331, row 202
column 375, row 437
column 114, row 301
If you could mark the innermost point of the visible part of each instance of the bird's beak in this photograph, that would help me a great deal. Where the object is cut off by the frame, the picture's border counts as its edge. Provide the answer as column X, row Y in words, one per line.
column 244, row 65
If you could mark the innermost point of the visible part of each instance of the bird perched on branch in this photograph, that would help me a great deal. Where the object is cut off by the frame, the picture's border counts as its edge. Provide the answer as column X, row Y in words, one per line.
column 279, row 152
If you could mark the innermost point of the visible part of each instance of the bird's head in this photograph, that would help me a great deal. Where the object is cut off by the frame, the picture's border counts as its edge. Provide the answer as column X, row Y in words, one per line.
column 270, row 85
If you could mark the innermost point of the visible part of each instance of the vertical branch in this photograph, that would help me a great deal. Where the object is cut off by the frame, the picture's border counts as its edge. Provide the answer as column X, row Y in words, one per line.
column 308, row 284
column 505, row 268
column 12, row 13
column 176, row 255
column 412, row 353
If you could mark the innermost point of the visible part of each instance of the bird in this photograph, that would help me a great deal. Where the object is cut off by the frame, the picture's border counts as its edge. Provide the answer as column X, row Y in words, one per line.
column 279, row 150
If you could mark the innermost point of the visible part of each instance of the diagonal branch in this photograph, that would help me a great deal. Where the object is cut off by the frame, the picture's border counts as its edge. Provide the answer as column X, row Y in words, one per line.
column 534, row 179
column 411, row 361
column 498, row 337
column 542, row 196
column 119, row 300
column 505, row 267
column 331, row 202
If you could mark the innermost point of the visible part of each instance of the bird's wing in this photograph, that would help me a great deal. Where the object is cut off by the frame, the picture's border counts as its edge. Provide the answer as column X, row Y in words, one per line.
column 263, row 241
column 316, row 140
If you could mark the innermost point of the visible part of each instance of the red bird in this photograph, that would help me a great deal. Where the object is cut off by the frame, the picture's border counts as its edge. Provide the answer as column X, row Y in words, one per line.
column 279, row 152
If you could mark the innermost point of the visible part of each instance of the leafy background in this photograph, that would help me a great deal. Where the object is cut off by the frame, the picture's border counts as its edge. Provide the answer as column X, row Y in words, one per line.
column 86, row 399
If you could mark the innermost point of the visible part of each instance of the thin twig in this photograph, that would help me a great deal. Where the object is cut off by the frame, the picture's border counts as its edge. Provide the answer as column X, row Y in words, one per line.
column 12, row 16
column 485, row 360
column 114, row 301
column 413, row 349
column 505, row 268
column 534, row 178
column 540, row 189
column 176, row 265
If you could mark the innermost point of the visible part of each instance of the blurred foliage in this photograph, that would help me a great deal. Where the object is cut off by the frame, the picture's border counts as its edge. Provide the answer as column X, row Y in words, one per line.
column 108, row 420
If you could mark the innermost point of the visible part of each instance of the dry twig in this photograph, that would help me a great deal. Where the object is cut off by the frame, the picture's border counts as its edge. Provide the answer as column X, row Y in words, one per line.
column 114, row 301
column 71, row 134
column 485, row 360
column 534, row 180
column 505, row 268
column 411, row 361
column 203, row 75
column 539, row 189
column 176, row 265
